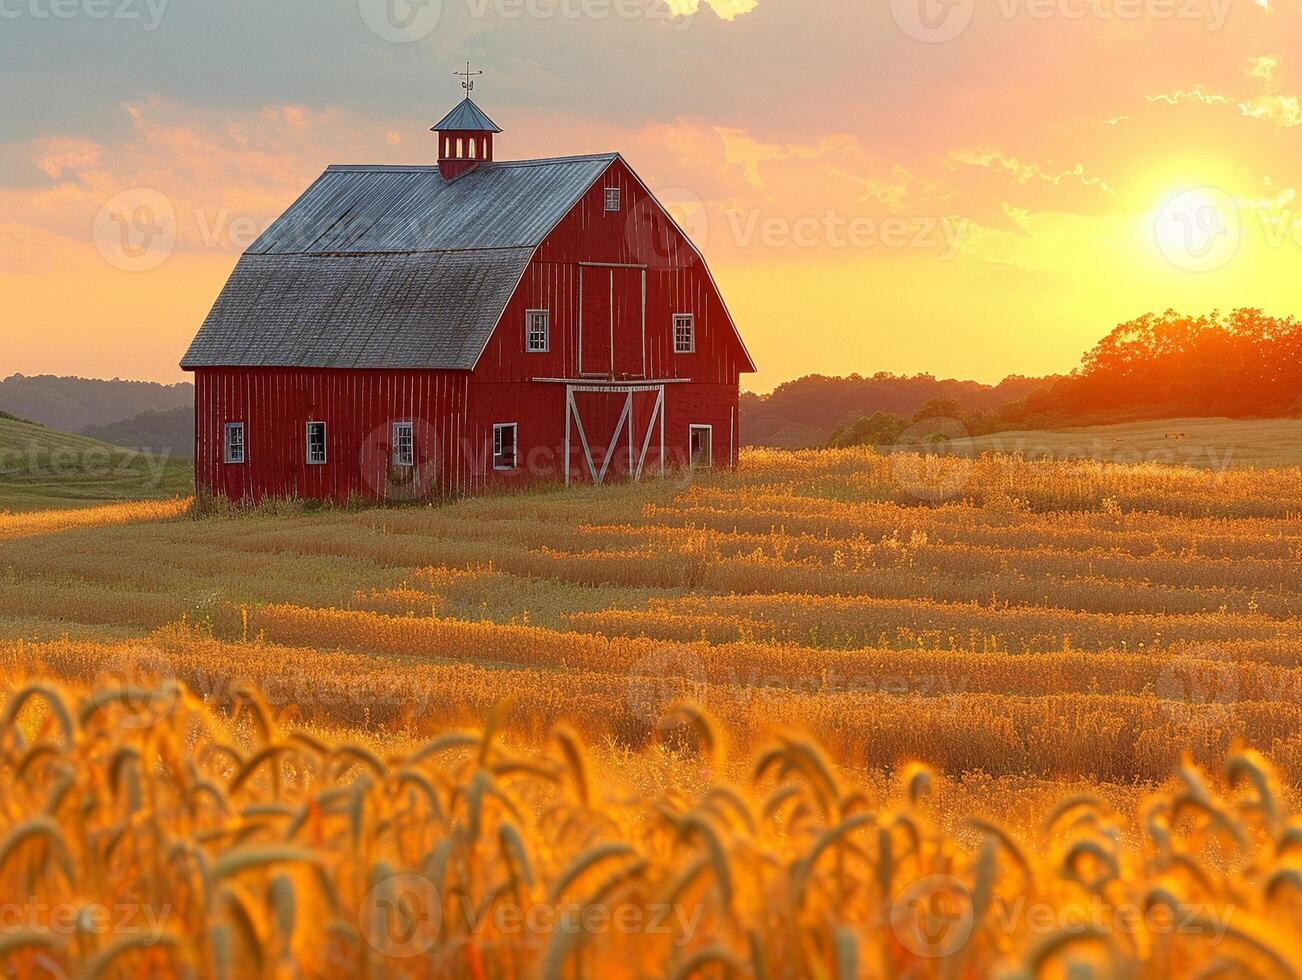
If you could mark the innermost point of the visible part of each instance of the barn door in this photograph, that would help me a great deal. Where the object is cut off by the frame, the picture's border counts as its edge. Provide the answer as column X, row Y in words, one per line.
column 613, row 433
column 612, row 321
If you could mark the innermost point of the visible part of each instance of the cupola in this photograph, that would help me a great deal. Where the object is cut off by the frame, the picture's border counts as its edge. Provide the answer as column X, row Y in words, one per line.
column 465, row 134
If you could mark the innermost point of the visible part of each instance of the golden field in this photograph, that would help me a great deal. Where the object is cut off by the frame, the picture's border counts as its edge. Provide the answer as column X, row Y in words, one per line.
column 901, row 665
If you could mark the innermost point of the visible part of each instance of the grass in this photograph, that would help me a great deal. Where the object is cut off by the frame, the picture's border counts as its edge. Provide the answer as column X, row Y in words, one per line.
column 940, row 685
column 42, row 468
column 1204, row 443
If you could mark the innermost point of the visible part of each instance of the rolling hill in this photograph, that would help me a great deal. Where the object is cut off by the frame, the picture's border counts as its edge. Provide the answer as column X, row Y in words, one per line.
column 73, row 404
column 43, row 468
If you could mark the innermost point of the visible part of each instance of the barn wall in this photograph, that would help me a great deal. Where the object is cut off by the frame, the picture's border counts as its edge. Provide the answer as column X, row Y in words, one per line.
column 539, row 412
column 677, row 281
column 358, row 407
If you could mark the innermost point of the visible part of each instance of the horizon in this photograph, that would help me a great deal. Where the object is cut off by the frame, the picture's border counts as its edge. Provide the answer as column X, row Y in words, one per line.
column 914, row 224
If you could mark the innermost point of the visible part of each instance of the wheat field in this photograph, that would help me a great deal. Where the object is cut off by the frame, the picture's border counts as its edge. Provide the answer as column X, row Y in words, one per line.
column 909, row 697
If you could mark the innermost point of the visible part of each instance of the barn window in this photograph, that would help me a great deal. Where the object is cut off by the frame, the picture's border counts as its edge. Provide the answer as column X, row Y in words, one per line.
column 684, row 333
column 404, row 444
column 612, row 198
column 702, row 447
column 504, row 446
column 235, row 442
column 537, row 331
column 316, row 443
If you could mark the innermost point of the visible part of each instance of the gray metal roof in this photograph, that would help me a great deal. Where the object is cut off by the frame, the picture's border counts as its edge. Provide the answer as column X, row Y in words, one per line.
column 467, row 117
column 387, row 267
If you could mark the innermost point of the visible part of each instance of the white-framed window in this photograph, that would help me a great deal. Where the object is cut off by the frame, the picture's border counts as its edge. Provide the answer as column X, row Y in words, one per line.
column 504, row 446
column 613, row 198
column 234, row 442
column 701, row 446
column 684, row 333
column 537, row 331
column 404, row 444
column 316, row 443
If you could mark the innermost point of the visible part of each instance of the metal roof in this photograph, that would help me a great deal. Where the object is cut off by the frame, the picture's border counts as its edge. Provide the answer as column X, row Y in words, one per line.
column 467, row 117
column 388, row 267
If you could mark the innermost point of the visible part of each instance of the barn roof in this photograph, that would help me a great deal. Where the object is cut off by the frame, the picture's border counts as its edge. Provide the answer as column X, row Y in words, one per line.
column 388, row 267
column 467, row 117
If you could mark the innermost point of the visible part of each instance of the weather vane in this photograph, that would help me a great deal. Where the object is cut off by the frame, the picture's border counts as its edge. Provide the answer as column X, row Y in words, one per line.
column 468, row 79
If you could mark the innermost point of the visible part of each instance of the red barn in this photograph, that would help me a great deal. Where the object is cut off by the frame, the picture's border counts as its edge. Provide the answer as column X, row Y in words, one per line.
column 418, row 332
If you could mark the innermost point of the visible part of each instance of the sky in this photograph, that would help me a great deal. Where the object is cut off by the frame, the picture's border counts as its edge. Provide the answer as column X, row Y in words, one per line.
column 967, row 188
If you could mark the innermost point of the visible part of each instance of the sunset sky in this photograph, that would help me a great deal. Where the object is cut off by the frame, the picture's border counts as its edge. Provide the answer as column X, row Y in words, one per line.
column 971, row 188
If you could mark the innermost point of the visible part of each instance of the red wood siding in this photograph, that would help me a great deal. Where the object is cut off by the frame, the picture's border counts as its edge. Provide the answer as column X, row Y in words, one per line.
column 612, row 282
column 677, row 281
column 358, row 408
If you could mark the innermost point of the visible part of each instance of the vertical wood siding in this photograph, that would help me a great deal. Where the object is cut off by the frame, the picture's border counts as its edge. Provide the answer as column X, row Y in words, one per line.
column 629, row 270
column 358, row 408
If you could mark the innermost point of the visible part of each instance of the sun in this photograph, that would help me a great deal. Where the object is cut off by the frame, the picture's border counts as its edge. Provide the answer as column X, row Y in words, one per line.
column 1197, row 229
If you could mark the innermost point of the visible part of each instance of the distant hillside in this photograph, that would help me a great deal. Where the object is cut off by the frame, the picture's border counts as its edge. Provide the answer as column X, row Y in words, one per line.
column 74, row 404
column 157, row 432
column 807, row 411
column 42, row 468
